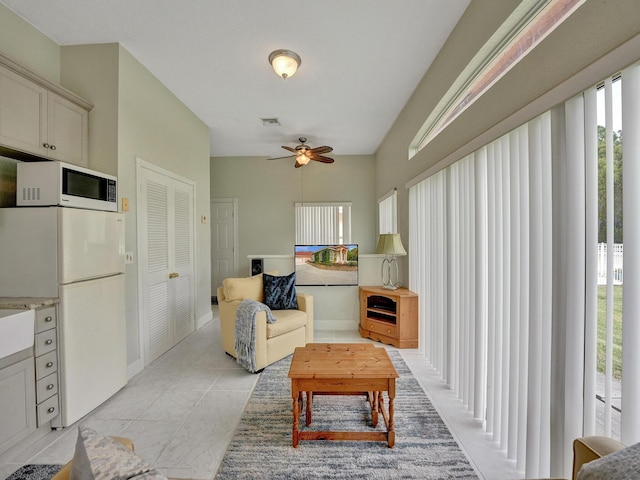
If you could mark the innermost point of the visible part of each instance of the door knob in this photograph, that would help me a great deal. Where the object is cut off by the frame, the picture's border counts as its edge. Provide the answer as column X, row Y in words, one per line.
column 174, row 275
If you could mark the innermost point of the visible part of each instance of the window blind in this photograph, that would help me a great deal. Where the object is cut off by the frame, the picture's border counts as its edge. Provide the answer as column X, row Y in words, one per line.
column 323, row 223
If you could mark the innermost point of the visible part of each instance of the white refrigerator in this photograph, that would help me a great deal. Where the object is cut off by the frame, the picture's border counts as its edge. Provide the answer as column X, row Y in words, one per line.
column 78, row 256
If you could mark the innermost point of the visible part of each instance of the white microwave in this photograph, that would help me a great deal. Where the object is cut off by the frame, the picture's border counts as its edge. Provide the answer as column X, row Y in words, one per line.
column 58, row 183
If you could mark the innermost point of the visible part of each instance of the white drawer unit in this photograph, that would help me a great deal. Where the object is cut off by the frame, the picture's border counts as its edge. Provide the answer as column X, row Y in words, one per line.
column 46, row 387
column 45, row 342
column 46, row 360
column 45, row 319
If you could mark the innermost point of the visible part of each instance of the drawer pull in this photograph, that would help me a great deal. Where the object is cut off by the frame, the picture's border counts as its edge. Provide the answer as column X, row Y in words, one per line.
column 48, row 342
column 48, row 319
column 51, row 410
column 49, row 364
column 50, row 386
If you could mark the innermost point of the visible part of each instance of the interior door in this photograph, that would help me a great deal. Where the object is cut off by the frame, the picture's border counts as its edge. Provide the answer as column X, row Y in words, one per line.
column 165, row 240
column 223, row 242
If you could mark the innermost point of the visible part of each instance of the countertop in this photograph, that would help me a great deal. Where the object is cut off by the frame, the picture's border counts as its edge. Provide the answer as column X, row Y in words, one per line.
column 26, row 303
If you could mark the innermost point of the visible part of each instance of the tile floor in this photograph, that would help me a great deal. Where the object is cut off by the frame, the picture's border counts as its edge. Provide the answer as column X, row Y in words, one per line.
column 181, row 411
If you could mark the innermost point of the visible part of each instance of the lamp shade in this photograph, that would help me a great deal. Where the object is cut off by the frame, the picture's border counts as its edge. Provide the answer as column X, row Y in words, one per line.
column 390, row 244
column 284, row 62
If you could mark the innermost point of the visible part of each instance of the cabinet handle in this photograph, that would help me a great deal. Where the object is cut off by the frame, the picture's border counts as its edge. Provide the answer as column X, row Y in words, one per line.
column 46, row 145
column 48, row 319
column 48, row 342
column 51, row 410
column 50, row 386
column 49, row 364
column 52, row 147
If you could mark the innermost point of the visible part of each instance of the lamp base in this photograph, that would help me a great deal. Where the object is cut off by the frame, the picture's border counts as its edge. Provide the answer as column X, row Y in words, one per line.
column 387, row 282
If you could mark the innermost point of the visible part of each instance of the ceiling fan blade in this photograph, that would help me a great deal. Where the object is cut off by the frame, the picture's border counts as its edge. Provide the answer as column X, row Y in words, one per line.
column 289, row 148
column 323, row 149
column 280, row 158
column 320, row 158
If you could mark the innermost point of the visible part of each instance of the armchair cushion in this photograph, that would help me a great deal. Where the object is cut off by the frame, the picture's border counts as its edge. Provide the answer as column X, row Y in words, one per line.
column 245, row 288
column 280, row 292
column 288, row 320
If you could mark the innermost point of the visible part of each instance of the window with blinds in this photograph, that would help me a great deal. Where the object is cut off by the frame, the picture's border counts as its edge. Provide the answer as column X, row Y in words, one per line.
column 323, row 223
column 387, row 212
column 504, row 247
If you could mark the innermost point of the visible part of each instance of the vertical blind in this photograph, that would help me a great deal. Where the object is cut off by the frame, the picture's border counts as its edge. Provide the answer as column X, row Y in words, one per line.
column 504, row 256
column 323, row 223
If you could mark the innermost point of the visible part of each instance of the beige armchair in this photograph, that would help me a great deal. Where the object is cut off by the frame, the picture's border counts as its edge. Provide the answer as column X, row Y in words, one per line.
column 587, row 449
column 274, row 341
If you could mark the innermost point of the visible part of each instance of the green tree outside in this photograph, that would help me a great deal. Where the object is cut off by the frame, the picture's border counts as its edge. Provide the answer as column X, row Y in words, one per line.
column 617, row 238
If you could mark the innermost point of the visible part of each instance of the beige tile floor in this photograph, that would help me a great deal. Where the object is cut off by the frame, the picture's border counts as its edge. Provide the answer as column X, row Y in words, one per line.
column 181, row 411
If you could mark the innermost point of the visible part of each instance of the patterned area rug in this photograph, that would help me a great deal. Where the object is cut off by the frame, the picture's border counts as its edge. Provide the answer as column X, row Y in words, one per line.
column 35, row 472
column 261, row 445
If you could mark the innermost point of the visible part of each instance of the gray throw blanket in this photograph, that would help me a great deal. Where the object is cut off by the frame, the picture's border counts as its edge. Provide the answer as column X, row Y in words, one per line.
column 245, row 332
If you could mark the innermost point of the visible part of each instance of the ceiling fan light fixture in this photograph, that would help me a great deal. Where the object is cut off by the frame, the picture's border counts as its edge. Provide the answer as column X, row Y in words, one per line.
column 303, row 159
column 284, row 62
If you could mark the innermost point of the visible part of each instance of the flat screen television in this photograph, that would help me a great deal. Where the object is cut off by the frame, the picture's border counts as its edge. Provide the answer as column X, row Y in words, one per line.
column 326, row 265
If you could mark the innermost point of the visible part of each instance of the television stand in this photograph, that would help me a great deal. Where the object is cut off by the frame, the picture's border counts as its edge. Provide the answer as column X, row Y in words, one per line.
column 389, row 316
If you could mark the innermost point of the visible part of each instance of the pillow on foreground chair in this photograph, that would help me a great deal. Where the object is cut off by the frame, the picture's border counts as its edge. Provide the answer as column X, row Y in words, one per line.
column 274, row 341
column 98, row 457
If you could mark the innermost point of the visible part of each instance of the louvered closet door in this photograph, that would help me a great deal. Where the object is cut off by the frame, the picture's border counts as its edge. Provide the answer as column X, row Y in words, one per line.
column 165, row 227
column 182, row 247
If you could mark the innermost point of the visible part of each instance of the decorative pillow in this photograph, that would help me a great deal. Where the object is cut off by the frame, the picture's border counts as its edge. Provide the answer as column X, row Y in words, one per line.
column 98, row 457
column 245, row 288
column 280, row 292
column 621, row 465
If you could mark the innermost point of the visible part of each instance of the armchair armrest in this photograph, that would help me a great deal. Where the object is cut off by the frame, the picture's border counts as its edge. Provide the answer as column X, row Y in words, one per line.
column 305, row 303
column 587, row 449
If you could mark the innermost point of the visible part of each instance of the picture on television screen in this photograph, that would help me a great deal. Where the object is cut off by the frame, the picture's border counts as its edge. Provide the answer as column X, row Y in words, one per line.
column 326, row 264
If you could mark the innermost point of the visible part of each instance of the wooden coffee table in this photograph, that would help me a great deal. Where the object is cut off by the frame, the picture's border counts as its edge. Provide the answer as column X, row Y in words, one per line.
column 343, row 369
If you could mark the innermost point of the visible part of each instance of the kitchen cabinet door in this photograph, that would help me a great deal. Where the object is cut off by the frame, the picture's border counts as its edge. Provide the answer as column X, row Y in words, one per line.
column 67, row 130
column 23, row 114
column 38, row 121
column 18, row 400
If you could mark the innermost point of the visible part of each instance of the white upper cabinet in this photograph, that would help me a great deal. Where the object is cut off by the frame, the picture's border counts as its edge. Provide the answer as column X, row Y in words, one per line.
column 67, row 130
column 41, row 119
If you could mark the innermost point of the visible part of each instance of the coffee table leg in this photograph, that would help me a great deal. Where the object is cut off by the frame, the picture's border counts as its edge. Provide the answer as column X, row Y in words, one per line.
column 391, row 430
column 375, row 405
column 309, row 406
column 295, row 393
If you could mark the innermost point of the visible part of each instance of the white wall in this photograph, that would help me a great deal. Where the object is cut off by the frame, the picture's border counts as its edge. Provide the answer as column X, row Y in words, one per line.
column 136, row 116
column 335, row 307
column 266, row 193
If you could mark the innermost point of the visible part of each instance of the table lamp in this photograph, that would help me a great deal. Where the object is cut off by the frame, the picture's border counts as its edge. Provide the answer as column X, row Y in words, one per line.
column 390, row 245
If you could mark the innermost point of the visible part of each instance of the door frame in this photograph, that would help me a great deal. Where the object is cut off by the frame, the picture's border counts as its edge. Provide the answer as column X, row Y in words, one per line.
column 142, row 248
column 236, row 243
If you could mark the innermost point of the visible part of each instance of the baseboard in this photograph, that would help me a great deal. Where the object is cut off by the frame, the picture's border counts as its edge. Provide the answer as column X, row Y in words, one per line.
column 204, row 319
column 134, row 368
column 342, row 325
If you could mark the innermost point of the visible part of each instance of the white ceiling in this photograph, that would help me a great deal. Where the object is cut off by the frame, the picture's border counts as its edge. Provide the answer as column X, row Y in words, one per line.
column 361, row 60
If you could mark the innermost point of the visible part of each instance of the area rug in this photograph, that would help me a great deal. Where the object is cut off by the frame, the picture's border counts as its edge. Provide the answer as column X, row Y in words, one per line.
column 35, row 472
column 261, row 445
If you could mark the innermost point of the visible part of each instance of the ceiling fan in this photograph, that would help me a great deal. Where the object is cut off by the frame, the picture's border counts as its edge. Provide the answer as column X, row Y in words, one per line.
column 303, row 153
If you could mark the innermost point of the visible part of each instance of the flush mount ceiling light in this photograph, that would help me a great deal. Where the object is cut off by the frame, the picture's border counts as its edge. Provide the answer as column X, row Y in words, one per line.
column 284, row 62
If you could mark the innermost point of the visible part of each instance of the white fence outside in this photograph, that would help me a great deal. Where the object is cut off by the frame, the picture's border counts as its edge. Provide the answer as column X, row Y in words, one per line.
column 617, row 264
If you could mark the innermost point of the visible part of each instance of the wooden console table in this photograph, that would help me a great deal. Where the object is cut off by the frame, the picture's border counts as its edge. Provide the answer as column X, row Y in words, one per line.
column 343, row 369
column 389, row 316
